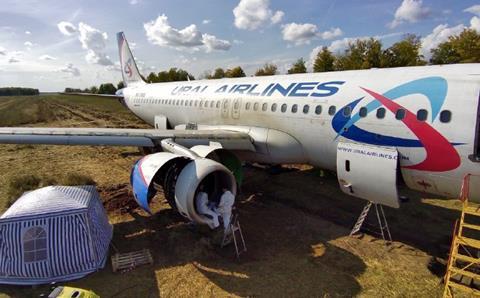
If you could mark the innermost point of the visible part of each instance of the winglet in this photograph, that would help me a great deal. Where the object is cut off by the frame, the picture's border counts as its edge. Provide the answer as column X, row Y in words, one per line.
column 130, row 72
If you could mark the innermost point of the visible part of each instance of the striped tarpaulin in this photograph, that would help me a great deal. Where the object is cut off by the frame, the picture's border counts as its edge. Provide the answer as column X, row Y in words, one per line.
column 77, row 233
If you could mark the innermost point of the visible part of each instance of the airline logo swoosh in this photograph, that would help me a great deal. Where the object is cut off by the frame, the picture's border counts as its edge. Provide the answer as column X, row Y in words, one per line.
column 440, row 153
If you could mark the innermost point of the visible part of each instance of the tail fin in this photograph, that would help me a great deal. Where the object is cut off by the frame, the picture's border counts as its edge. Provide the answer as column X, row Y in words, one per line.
column 130, row 71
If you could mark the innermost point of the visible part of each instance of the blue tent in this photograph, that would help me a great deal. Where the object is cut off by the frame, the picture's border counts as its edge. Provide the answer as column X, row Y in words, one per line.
column 54, row 233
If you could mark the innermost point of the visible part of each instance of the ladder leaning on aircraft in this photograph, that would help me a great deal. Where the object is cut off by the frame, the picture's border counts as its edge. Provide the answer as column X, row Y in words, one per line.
column 373, row 127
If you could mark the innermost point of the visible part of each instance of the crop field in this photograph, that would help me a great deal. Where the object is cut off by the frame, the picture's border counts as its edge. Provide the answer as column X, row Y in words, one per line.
column 296, row 223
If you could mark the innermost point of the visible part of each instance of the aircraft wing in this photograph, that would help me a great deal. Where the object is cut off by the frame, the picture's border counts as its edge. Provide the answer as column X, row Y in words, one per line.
column 233, row 140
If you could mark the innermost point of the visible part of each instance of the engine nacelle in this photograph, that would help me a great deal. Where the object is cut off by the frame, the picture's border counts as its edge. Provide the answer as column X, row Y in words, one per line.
column 179, row 177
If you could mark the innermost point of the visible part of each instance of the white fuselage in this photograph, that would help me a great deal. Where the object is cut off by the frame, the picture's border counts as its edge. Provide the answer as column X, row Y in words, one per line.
column 449, row 96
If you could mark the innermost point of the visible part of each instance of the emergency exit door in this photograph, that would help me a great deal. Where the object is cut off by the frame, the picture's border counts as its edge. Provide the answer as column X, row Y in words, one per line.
column 237, row 103
column 368, row 172
column 225, row 108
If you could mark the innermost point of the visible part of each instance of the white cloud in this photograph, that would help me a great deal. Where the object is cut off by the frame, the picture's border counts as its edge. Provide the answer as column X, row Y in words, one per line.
column 252, row 14
column 94, row 41
column 213, row 43
column 340, row 45
column 3, row 52
column 303, row 33
column 299, row 33
column 66, row 28
column 47, row 57
column 332, row 33
column 206, row 22
column 237, row 41
column 70, row 69
column 440, row 34
column 133, row 2
column 475, row 23
column 28, row 44
column 28, row 32
column 14, row 57
column 475, row 9
column 277, row 17
column 409, row 11
column 13, row 60
column 159, row 32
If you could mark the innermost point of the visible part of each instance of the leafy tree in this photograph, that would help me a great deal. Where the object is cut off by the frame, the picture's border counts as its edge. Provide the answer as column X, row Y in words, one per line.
column 217, row 74
column 107, row 88
column 13, row 91
column 236, row 72
column 462, row 48
column 268, row 69
column 298, row 67
column 172, row 75
column 361, row 54
column 120, row 85
column 152, row 78
column 94, row 90
column 324, row 61
column 445, row 53
column 404, row 53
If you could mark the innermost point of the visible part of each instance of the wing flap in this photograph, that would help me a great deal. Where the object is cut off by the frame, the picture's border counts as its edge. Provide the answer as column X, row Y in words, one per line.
column 122, row 137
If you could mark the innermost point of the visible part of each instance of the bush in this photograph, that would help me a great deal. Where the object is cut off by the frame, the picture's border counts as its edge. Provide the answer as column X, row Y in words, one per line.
column 72, row 179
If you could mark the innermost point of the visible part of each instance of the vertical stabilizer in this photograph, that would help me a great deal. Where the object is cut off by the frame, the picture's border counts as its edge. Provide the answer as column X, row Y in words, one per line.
column 130, row 72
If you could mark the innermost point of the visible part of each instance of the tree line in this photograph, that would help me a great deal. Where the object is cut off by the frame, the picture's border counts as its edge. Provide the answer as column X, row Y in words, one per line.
column 15, row 91
column 359, row 54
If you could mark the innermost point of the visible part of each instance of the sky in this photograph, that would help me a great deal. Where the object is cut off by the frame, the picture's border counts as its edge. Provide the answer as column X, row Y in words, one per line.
column 51, row 45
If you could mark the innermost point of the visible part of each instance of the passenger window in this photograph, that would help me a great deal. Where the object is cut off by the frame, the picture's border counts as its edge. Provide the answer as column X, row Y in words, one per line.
column 181, row 102
column 422, row 115
column 206, row 103
column 363, row 112
column 284, row 108
column 294, row 108
column 218, row 104
column 274, row 107
column 400, row 114
column 236, row 105
column 211, row 104
column 306, row 108
column 191, row 102
column 318, row 109
column 445, row 116
column 347, row 111
column 247, row 106
column 201, row 103
column 195, row 103
column 347, row 165
column 255, row 106
column 264, row 106
column 332, row 110
column 381, row 113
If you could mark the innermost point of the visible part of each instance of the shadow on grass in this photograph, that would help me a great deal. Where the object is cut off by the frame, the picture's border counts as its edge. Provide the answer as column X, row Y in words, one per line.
column 288, row 255
column 417, row 224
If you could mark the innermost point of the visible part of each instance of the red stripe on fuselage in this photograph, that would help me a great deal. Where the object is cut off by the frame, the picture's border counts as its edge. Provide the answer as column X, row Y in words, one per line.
column 441, row 155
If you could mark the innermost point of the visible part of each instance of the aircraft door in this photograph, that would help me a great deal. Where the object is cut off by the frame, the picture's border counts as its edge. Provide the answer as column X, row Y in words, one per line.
column 368, row 172
column 237, row 103
column 225, row 108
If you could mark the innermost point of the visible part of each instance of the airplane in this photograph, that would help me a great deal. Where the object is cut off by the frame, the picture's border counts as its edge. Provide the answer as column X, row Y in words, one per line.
column 375, row 128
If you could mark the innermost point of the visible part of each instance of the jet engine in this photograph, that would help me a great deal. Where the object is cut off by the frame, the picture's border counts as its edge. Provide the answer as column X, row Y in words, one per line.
column 179, row 175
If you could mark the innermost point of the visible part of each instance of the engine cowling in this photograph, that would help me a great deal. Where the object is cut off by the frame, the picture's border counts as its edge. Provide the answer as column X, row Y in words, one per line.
column 179, row 177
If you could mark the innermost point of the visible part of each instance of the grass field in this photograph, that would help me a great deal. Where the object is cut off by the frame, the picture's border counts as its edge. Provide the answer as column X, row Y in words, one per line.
column 296, row 224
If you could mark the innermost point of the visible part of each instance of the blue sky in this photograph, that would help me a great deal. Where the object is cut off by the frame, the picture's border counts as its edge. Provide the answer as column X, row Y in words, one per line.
column 51, row 45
